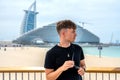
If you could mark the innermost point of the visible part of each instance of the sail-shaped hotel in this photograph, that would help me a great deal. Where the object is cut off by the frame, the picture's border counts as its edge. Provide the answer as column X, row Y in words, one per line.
column 48, row 34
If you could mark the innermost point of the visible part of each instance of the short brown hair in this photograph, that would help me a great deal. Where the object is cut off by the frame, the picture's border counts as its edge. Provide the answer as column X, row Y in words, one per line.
column 64, row 24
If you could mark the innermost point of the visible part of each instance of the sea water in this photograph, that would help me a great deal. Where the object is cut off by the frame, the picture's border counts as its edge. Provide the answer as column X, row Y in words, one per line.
column 110, row 51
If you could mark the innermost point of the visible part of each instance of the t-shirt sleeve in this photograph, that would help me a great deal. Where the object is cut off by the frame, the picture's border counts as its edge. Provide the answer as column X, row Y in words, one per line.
column 82, row 54
column 49, row 60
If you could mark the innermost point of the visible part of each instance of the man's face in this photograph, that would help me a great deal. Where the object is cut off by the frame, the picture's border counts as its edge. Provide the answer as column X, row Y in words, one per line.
column 70, row 35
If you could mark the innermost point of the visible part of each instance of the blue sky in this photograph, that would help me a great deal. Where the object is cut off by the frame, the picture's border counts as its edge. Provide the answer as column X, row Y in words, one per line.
column 102, row 17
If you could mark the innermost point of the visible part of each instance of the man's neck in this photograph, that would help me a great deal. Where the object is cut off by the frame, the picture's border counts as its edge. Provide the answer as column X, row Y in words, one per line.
column 64, row 44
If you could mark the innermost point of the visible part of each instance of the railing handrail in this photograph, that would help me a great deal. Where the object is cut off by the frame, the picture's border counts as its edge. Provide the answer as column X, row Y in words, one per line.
column 22, row 69
column 103, row 69
column 41, row 69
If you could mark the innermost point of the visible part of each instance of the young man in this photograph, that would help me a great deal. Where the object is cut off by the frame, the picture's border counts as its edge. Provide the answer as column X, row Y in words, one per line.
column 65, row 61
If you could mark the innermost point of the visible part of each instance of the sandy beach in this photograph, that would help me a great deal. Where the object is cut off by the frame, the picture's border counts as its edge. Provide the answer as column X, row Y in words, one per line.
column 22, row 56
column 95, row 61
column 34, row 56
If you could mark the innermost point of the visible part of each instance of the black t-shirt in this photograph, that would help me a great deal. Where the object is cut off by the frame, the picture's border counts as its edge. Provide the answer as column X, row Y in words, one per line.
column 56, row 57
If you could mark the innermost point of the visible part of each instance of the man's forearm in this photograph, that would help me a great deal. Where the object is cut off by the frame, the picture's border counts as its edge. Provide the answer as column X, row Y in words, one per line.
column 82, row 64
column 54, row 75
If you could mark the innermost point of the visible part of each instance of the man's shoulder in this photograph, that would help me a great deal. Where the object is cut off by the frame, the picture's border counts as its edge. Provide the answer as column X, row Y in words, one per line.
column 53, row 49
column 76, row 45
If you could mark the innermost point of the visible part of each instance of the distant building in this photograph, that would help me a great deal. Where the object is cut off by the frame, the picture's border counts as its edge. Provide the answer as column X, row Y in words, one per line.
column 29, row 21
column 48, row 33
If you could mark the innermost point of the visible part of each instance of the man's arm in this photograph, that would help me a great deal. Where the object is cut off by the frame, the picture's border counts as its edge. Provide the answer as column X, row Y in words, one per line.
column 82, row 64
column 82, row 67
column 53, row 75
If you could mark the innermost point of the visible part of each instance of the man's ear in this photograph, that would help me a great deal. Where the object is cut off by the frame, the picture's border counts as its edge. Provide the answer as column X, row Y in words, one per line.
column 62, row 32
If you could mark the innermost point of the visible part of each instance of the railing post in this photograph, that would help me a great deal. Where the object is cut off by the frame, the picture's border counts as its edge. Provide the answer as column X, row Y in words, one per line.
column 3, row 76
column 15, row 75
column 115, row 76
column 34, row 76
column 96, row 76
column 9, row 76
column 28, row 76
column 89, row 76
column 102, row 76
column 108, row 76
column 41, row 76
column 22, row 75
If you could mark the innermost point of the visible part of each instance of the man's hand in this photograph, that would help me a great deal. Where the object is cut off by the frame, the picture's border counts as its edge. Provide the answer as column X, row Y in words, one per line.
column 81, row 71
column 67, row 65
